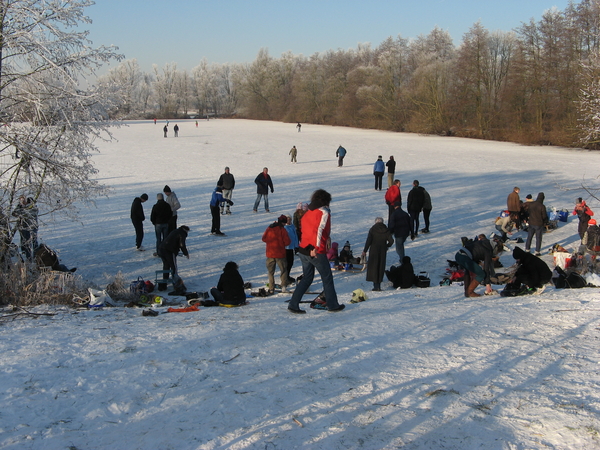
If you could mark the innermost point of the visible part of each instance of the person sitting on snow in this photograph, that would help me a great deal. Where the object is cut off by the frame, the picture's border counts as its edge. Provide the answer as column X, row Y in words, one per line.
column 532, row 272
column 230, row 288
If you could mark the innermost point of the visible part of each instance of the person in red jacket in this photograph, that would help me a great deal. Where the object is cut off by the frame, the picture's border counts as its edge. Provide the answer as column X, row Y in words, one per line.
column 316, row 227
column 277, row 239
column 392, row 196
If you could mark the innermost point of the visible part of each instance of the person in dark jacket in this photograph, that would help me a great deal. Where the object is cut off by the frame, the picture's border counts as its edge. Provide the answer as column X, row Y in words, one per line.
column 378, row 241
column 230, row 288
column 341, row 154
column 470, row 258
column 513, row 205
column 160, row 216
column 263, row 184
column 227, row 182
column 538, row 217
column 591, row 237
column 532, row 271
column 400, row 226
column 169, row 248
column 403, row 276
column 426, row 209
column 391, row 168
column 137, row 218
column 414, row 205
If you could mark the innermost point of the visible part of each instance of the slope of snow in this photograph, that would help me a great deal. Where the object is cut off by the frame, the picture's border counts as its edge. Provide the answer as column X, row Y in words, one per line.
column 414, row 369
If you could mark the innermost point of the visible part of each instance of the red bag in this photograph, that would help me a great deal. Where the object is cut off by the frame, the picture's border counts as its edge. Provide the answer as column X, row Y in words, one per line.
column 149, row 286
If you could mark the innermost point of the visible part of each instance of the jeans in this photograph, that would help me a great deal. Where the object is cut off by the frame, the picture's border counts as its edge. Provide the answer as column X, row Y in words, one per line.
column 258, row 197
column 161, row 230
column 537, row 230
column 400, row 246
column 309, row 265
column 378, row 179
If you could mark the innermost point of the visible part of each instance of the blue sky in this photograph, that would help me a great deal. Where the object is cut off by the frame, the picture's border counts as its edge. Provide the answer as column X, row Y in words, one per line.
column 186, row 31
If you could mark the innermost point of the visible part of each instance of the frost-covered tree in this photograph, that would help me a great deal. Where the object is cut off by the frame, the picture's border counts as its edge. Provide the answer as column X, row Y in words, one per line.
column 589, row 102
column 48, row 120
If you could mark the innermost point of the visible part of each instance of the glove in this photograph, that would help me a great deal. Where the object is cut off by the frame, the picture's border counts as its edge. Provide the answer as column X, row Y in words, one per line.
column 272, row 191
column 230, row 202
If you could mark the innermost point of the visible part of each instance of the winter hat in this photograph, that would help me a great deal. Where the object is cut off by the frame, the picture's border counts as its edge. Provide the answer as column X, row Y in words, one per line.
column 347, row 245
column 592, row 222
column 529, row 196
column 219, row 189
column 282, row 218
column 166, row 188
column 144, row 197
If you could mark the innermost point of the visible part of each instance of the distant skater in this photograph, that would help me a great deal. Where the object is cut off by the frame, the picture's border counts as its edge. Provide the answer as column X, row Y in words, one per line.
column 165, row 130
column 176, row 130
column 299, row 126
column 340, row 153
column 293, row 153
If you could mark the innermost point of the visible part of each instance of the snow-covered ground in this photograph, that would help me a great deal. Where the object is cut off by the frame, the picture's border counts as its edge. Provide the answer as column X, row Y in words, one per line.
column 411, row 369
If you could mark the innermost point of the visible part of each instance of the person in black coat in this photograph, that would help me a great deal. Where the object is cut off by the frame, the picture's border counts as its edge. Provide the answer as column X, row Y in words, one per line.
column 532, row 271
column 230, row 289
column 400, row 226
column 538, row 217
column 168, row 250
column 137, row 218
column 379, row 240
column 160, row 216
column 263, row 184
column 414, row 205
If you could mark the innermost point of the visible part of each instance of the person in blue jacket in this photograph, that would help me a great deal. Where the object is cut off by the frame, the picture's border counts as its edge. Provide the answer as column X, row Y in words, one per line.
column 340, row 153
column 378, row 171
column 215, row 202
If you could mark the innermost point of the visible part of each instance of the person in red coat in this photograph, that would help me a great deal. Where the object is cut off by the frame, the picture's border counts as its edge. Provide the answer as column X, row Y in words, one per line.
column 277, row 239
column 393, row 195
column 316, row 227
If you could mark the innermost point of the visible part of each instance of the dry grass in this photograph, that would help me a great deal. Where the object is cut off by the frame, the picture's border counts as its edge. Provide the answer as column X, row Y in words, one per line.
column 24, row 284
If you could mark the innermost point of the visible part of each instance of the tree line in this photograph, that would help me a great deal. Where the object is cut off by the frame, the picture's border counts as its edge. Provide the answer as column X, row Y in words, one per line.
column 523, row 85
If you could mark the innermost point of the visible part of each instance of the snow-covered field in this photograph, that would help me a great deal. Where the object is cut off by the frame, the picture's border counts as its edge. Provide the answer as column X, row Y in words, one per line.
column 412, row 369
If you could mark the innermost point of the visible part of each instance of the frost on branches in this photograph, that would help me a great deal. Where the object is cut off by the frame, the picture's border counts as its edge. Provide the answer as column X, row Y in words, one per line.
column 48, row 121
column 589, row 103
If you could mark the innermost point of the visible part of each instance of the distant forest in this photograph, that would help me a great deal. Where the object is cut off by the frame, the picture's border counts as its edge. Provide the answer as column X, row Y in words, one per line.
column 522, row 86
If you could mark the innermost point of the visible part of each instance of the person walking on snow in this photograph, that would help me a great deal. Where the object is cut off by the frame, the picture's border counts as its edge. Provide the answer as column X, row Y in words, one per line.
column 378, row 241
column 400, row 226
column 169, row 249
column 176, row 130
column 293, row 153
column 165, row 130
column 378, row 171
column 341, row 154
column 227, row 182
column 263, row 184
column 538, row 217
column 316, row 228
column 137, row 218
column 426, row 209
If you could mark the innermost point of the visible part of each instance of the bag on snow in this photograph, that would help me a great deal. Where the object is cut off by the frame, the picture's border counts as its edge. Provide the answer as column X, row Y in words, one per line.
column 99, row 298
